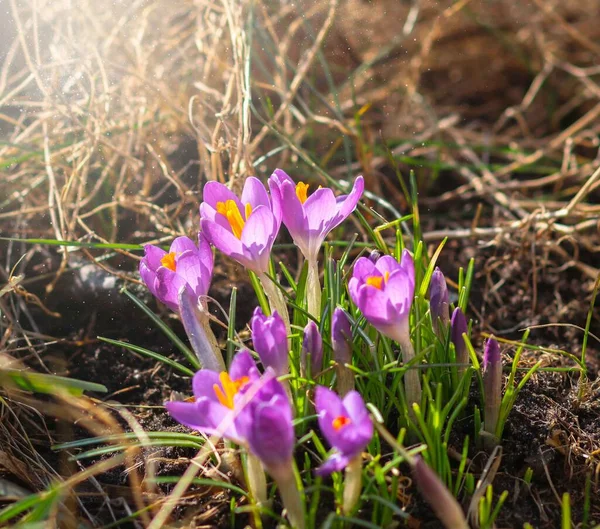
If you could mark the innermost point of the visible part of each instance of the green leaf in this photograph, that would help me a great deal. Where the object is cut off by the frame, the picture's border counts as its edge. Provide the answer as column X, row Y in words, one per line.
column 151, row 354
column 187, row 352
column 47, row 384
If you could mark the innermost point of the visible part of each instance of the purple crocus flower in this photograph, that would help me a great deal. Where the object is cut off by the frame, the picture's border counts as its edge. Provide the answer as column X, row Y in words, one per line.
column 254, row 412
column 383, row 291
column 439, row 301
column 312, row 344
column 269, row 337
column 346, row 425
column 310, row 218
column 217, row 398
column 244, row 229
column 185, row 264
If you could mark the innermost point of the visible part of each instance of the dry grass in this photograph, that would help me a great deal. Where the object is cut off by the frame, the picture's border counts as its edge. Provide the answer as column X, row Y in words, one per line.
column 114, row 114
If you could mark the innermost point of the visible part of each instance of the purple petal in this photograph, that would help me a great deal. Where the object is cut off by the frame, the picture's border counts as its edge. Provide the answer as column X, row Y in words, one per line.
column 215, row 192
column 207, row 212
column 458, row 327
column 312, row 344
column 355, row 406
column 271, row 436
column 328, row 401
column 258, row 236
column 328, row 406
column 183, row 244
column 408, row 264
column 203, row 384
column 341, row 337
column 336, row 463
column 168, row 284
column 152, row 256
column 194, row 272
column 242, row 365
column 400, row 292
column 319, row 208
column 376, row 306
column 222, row 239
column 294, row 217
column 269, row 337
column 205, row 252
column 279, row 176
column 388, row 264
column 347, row 204
column 491, row 354
column 255, row 194
column 204, row 416
column 364, row 268
column 276, row 203
column 148, row 276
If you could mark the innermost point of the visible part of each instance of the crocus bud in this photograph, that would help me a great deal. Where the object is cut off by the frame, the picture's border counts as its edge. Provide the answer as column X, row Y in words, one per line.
column 341, row 342
column 458, row 327
column 441, row 500
column 374, row 256
column 492, row 389
column 439, row 302
column 269, row 337
column 312, row 348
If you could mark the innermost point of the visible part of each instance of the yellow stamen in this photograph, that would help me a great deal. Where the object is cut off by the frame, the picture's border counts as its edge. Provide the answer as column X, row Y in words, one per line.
column 230, row 388
column 168, row 261
column 222, row 208
column 302, row 191
column 248, row 210
column 339, row 422
column 375, row 281
column 378, row 281
column 232, row 213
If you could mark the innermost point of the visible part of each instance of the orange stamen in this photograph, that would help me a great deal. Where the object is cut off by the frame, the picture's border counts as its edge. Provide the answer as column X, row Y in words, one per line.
column 378, row 281
column 230, row 389
column 339, row 422
column 168, row 261
column 231, row 212
column 375, row 281
column 302, row 191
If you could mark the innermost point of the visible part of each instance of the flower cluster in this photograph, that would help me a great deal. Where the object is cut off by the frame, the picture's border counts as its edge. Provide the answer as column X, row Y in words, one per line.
column 253, row 405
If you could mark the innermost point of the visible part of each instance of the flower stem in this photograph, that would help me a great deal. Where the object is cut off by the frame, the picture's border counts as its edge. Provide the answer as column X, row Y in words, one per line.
column 352, row 484
column 290, row 488
column 313, row 290
column 276, row 302
column 412, row 382
column 196, row 324
column 345, row 379
column 210, row 335
column 257, row 481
